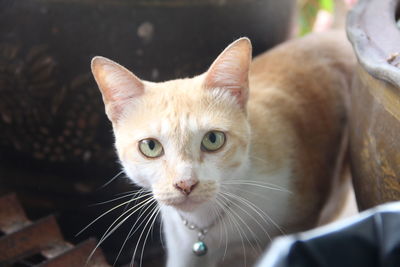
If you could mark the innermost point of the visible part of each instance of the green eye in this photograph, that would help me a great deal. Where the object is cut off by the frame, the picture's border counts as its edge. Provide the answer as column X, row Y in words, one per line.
column 213, row 141
column 151, row 148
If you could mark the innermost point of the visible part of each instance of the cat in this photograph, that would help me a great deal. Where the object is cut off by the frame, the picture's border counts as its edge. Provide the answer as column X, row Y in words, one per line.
column 244, row 152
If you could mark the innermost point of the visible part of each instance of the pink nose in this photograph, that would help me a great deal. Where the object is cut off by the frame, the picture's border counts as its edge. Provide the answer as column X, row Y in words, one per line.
column 186, row 186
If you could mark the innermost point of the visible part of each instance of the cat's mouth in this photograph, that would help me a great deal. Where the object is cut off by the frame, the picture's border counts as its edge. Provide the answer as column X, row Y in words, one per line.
column 170, row 196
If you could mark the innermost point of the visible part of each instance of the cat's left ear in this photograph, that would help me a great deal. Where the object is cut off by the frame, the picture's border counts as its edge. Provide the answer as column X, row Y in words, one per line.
column 230, row 71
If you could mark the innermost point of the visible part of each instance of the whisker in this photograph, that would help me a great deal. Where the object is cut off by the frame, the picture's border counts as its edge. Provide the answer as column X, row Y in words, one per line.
column 112, row 200
column 135, row 208
column 134, row 197
column 246, row 191
column 147, row 235
column 161, row 234
column 132, row 231
column 257, row 182
column 250, row 215
column 258, row 185
column 220, row 218
column 111, row 180
column 259, row 211
column 107, row 212
column 247, row 226
column 234, row 223
column 260, row 159
column 142, row 222
column 140, row 237
column 108, row 232
column 134, row 191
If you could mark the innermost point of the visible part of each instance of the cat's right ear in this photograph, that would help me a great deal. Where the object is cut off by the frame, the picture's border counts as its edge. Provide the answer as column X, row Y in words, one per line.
column 118, row 85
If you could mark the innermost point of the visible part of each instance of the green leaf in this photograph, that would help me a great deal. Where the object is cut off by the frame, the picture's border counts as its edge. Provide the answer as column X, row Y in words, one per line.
column 327, row 5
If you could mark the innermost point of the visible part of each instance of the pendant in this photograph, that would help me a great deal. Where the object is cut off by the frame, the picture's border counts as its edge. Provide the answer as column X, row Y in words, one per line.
column 200, row 248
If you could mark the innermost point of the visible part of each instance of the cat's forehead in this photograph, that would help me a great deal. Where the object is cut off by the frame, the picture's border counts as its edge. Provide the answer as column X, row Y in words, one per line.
column 178, row 94
column 182, row 99
column 179, row 107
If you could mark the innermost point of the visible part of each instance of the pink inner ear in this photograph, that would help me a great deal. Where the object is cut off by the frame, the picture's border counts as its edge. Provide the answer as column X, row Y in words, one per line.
column 230, row 70
column 117, row 85
column 237, row 93
column 241, row 94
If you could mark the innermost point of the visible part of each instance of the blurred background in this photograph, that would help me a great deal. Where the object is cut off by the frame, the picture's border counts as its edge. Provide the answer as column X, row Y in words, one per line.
column 56, row 144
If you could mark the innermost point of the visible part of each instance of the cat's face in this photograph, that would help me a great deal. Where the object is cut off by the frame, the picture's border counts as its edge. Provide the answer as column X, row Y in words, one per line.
column 181, row 138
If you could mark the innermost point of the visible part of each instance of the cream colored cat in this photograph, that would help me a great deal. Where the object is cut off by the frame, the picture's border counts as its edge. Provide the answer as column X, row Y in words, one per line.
column 239, row 154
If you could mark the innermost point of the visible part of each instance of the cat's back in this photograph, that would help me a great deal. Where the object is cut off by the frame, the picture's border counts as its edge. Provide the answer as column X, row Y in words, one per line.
column 305, row 81
column 303, row 61
column 297, row 110
column 314, row 54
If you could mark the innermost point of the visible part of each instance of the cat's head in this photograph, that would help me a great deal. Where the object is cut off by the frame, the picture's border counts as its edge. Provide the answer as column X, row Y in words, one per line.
column 181, row 138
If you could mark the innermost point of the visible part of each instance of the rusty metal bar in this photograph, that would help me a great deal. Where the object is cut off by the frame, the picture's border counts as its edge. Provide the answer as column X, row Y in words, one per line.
column 12, row 215
column 27, row 243
column 34, row 237
column 79, row 256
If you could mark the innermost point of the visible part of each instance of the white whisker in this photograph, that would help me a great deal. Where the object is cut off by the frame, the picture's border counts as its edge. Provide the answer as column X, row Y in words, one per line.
column 113, row 228
column 225, row 228
column 260, row 159
column 229, row 189
column 161, row 234
column 111, row 180
column 134, row 191
column 134, row 197
column 257, row 184
column 141, row 234
column 258, row 211
column 250, row 215
column 112, row 200
column 234, row 223
column 147, row 235
column 216, row 215
column 247, row 226
column 132, row 231
column 110, row 210
column 135, row 208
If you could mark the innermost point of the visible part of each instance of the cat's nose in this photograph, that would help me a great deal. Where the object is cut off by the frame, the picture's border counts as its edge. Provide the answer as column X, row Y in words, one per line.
column 186, row 186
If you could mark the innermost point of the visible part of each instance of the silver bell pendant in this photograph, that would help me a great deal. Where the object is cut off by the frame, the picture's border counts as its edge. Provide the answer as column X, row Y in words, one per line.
column 200, row 248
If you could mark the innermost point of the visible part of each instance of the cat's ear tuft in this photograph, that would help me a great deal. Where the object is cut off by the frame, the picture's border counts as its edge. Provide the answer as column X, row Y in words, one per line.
column 117, row 84
column 230, row 70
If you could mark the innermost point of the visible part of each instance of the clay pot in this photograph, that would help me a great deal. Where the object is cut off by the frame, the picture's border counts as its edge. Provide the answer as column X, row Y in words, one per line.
column 375, row 115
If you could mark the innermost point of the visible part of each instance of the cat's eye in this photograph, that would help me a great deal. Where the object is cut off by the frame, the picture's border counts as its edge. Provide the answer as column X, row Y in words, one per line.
column 213, row 141
column 151, row 148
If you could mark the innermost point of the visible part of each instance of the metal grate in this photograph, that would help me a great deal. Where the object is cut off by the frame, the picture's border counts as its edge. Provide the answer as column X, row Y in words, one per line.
column 24, row 243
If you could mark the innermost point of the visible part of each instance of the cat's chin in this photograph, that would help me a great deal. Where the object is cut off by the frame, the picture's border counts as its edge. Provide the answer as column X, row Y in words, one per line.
column 186, row 205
